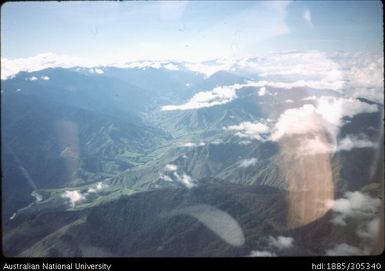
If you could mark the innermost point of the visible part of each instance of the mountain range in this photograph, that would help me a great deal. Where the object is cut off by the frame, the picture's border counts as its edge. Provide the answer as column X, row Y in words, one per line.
column 149, row 161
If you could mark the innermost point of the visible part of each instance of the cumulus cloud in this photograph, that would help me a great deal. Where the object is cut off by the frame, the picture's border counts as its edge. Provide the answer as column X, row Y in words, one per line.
column 300, row 69
column 170, row 167
column 262, row 91
column 352, row 74
column 32, row 78
column 362, row 212
column 218, row 95
column 296, row 121
column 185, row 179
column 281, row 242
column 74, row 197
column 244, row 142
column 248, row 162
column 98, row 187
column 326, row 116
column 98, row 71
column 216, row 141
column 364, row 76
column 250, row 130
column 314, row 146
column 191, row 144
column 310, row 98
column 369, row 230
column 353, row 205
column 346, row 250
column 317, row 146
column 45, row 78
column 171, row 67
column 207, row 69
column 348, row 143
column 165, row 178
column 261, row 253
column 91, row 190
column 10, row 67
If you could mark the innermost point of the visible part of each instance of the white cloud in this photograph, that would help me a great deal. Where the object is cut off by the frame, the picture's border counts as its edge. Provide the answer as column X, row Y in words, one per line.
column 100, row 186
column 289, row 101
column 10, row 67
column 13, row 216
column 91, row 190
column 207, row 69
column 361, row 211
column 39, row 62
column 369, row 230
column 250, row 130
column 348, row 143
column 261, row 253
column 244, row 142
column 317, row 146
column 165, row 178
column 352, row 74
column 248, row 162
column 218, row 95
column 320, row 84
column 187, row 181
column 346, row 250
column 310, row 98
column 138, row 64
column 307, row 17
column 364, row 76
column 334, row 109
column 74, row 197
column 281, row 242
column 32, row 78
column 314, row 146
column 327, row 116
column 184, row 179
column 301, row 69
column 353, row 205
column 190, row 144
column 295, row 121
column 262, row 91
column 171, row 67
column 45, row 78
column 98, row 71
column 216, row 141
column 170, row 167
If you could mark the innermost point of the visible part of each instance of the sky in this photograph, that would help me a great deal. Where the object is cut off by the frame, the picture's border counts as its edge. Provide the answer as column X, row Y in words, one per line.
column 192, row 31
